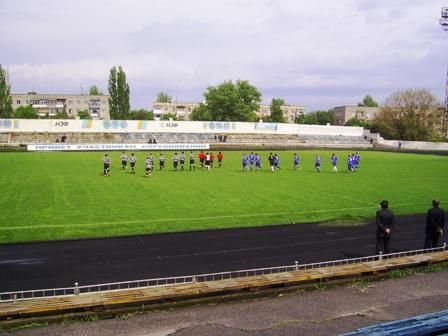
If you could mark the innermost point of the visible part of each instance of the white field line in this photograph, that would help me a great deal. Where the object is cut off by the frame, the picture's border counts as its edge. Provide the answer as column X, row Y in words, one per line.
column 205, row 217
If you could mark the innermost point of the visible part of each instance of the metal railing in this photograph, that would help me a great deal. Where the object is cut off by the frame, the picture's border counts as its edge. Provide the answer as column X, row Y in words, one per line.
column 159, row 282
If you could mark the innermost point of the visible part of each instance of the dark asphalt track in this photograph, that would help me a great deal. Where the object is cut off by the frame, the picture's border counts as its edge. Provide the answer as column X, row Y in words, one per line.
column 93, row 261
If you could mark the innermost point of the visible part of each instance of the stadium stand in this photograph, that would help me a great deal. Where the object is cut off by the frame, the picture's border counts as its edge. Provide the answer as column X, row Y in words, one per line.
column 231, row 141
column 336, row 141
column 429, row 324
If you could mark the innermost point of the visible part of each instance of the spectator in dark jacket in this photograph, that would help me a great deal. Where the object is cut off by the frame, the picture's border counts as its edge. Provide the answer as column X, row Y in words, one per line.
column 385, row 220
column 435, row 222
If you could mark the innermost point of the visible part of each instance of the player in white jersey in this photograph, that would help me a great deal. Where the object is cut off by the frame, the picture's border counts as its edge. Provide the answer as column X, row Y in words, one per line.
column 148, row 165
column 132, row 161
column 124, row 160
column 106, row 164
column 192, row 164
column 175, row 161
column 182, row 160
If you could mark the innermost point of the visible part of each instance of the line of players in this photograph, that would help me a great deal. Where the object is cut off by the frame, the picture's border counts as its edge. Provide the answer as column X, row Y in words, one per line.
column 206, row 160
column 249, row 162
column 253, row 162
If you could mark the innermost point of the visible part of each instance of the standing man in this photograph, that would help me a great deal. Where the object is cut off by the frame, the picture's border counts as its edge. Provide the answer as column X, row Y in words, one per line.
column 106, row 164
column 220, row 157
column 192, row 164
column 334, row 160
column 124, row 160
column 435, row 222
column 385, row 220
column 132, row 161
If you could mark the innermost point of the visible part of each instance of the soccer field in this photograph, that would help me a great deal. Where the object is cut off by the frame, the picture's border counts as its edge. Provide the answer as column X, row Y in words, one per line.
column 49, row 196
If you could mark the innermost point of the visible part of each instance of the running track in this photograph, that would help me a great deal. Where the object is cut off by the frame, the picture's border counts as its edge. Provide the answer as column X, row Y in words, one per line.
column 93, row 261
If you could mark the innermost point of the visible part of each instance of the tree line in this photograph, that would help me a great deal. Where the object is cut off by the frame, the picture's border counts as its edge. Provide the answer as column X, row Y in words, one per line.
column 406, row 115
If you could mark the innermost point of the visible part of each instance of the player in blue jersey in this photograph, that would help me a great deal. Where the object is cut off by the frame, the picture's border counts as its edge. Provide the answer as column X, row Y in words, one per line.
column 357, row 160
column 251, row 160
column 276, row 161
column 334, row 161
column 296, row 161
column 245, row 160
column 317, row 162
column 257, row 161
column 349, row 164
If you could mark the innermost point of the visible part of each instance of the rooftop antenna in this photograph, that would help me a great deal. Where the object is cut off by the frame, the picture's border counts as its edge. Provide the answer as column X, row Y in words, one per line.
column 444, row 23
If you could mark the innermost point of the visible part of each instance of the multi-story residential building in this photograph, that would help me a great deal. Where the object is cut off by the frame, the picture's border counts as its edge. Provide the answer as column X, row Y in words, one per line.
column 346, row 112
column 183, row 110
column 290, row 112
column 51, row 104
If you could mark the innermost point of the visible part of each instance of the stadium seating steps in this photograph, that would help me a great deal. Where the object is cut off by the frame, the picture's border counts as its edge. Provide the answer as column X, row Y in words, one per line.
column 230, row 140
column 429, row 324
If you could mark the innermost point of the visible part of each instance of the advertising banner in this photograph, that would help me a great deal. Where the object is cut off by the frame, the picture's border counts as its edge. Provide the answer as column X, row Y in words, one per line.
column 118, row 147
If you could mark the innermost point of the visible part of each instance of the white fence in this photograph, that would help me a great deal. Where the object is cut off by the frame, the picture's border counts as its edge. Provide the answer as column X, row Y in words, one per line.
column 152, row 126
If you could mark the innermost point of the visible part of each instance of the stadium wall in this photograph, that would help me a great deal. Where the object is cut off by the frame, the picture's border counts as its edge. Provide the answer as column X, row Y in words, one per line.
column 414, row 145
column 144, row 126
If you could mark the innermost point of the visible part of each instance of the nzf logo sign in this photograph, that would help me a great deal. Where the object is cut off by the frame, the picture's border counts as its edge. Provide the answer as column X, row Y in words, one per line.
column 169, row 124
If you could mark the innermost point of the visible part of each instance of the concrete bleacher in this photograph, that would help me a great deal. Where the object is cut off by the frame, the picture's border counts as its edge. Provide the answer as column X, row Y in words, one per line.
column 428, row 324
column 335, row 141
column 221, row 140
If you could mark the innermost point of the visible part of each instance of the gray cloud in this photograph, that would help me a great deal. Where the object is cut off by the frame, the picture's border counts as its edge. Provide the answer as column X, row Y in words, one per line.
column 318, row 54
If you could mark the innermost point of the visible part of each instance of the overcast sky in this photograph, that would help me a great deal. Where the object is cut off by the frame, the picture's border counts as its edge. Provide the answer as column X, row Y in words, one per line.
column 319, row 53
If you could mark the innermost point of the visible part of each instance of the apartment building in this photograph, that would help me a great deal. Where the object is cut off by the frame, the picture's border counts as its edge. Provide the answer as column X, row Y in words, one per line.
column 346, row 112
column 183, row 110
column 51, row 104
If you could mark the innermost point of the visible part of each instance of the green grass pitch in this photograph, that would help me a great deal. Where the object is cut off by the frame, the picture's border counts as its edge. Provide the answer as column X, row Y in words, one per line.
column 49, row 196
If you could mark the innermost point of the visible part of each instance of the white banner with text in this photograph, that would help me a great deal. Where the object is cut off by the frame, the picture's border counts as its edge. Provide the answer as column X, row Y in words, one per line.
column 118, row 147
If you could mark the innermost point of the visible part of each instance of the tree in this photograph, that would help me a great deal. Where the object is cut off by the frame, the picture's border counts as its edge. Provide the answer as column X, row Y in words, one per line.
column 84, row 114
column 201, row 113
column 25, row 112
column 357, row 122
column 409, row 115
column 317, row 118
column 368, row 102
column 276, row 110
column 141, row 114
column 62, row 115
column 119, row 105
column 94, row 91
column 163, row 97
column 230, row 102
column 5, row 97
column 168, row 116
